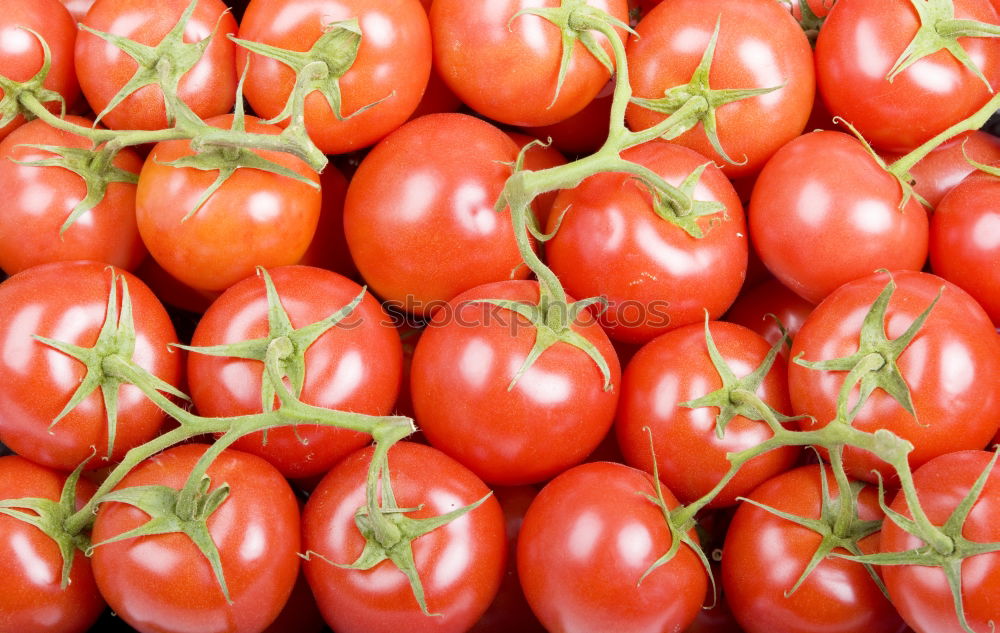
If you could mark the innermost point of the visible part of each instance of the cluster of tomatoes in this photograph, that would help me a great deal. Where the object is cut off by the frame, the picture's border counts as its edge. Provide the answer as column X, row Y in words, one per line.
column 619, row 261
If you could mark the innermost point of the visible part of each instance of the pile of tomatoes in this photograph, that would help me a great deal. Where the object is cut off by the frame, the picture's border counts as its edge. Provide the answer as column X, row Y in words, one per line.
column 499, row 315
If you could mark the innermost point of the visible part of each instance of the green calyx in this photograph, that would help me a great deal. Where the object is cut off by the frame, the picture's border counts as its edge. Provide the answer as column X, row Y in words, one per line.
column 678, row 206
column 15, row 91
column 701, row 100
column 809, row 21
column 115, row 346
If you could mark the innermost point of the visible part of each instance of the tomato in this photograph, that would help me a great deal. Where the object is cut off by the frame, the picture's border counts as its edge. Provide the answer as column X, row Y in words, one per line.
column 760, row 45
column 78, row 8
column 856, row 50
column 655, row 275
column 67, row 301
column 584, row 132
column 21, row 54
column 208, row 89
column 921, row 593
column 300, row 614
column 538, row 158
column 172, row 292
column 255, row 218
column 765, row 555
column 328, row 248
column 164, row 583
column 459, row 564
column 507, row 68
column 40, row 199
column 390, row 70
column 422, row 235
column 354, row 366
column 951, row 368
column 31, row 600
column 586, row 542
column 823, row 213
column 757, row 308
column 552, row 418
column 676, row 368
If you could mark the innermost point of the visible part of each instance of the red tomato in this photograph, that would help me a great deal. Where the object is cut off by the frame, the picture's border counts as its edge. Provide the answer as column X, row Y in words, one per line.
column 585, row 131
column 757, row 307
column 391, row 68
column 78, row 8
column 459, row 564
column 507, row 68
column 354, row 366
column 554, row 416
column 760, row 45
column 438, row 97
column 255, row 218
column 765, row 555
column 300, row 614
column 823, row 213
column 585, row 543
column 951, row 367
column 31, row 600
column 67, row 301
column 537, row 159
column 419, row 214
column 208, row 88
column 329, row 245
column 856, row 50
column 173, row 292
column 40, row 199
column 163, row 583
column 655, row 275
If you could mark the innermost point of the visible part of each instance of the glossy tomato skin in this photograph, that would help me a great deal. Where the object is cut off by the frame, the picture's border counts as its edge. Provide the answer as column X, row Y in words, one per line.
column 584, row 132
column 921, row 593
column 31, row 600
column 675, row 368
column 857, row 47
column 760, row 45
column 506, row 68
column 585, row 542
column 21, row 54
column 656, row 276
column 328, row 248
column 67, row 301
column 41, row 198
column 354, row 366
column 763, row 306
column 208, row 88
column 965, row 240
column 555, row 415
column 951, row 368
column 255, row 218
column 392, row 64
column 421, row 236
column 459, row 564
column 764, row 556
column 824, row 189
column 163, row 583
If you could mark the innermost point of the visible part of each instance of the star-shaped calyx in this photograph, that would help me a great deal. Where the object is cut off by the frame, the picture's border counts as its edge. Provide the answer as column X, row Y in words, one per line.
column 10, row 104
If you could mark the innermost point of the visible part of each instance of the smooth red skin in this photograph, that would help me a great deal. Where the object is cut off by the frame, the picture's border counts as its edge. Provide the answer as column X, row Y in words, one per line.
column 163, row 583
column 760, row 45
column 676, row 368
column 460, row 564
column 757, row 307
column 173, row 292
column 438, row 97
column 507, row 69
column 951, row 368
column 940, row 171
column 824, row 190
column 67, row 301
column 419, row 214
column 586, row 541
column 255, row 218
column 208, row 88
column 858, row 45
column 584, row 132
column 393, row 63
column 328, row 248
column 764, row 555
column 352, row 367
column 31, row 600
column 39, row 199
column 537, row 159
column 964, row 243
column 611, row 243
column 21, row 54
column 556, row 414
column 921, row 594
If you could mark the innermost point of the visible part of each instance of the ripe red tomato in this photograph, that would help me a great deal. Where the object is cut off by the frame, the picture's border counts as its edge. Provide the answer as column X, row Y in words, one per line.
column 163, row 583
column 586, row 542
column 255, row 218
column 584, row 132
column 208, row 88
column 758, row 307
column 459, row 564
column 391, row 67
column 67, row 301
column 328, row 248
